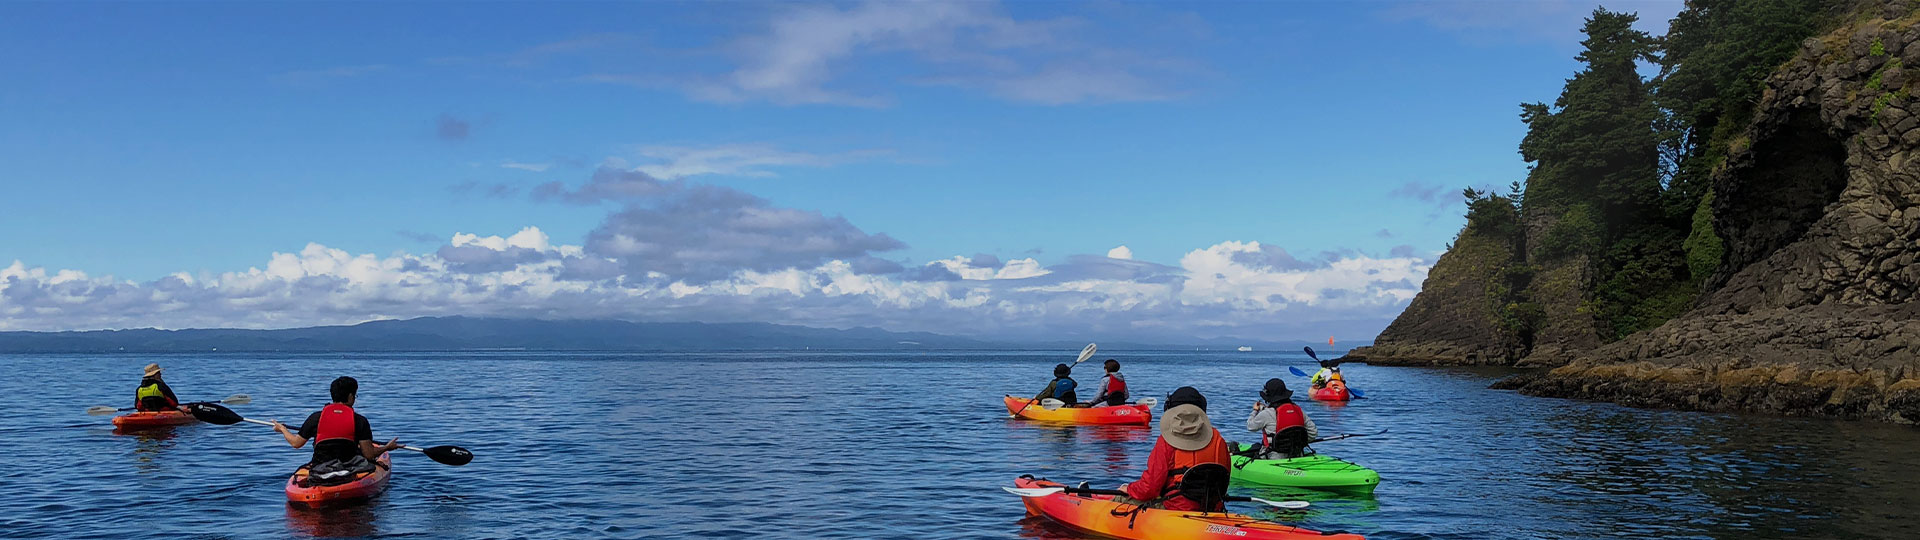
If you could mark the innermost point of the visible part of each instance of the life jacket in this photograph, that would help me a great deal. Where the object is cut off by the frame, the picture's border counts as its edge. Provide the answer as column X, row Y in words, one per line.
column 1116, row 385
column 336, row 422
column 1215, row 452
column 152, row 390
column 1284, row 416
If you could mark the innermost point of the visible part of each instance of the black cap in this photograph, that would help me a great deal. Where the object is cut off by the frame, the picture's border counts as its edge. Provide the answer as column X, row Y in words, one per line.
column 1061, row 370
column 1276, row 391
column 1185, row 395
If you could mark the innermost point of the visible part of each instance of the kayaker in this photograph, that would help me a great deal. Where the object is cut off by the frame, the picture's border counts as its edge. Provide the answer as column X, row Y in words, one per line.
column 338, row 432
column 1062, row 386
column 1275, row 412
column 1187, row 439
column 153, row 393
column 1113, row 387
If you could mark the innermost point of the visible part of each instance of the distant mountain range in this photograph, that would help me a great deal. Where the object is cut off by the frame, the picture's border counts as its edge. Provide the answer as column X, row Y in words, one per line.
column 468, row 333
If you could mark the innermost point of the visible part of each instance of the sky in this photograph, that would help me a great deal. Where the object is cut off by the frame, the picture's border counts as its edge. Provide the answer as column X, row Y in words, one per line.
column 1050, row 170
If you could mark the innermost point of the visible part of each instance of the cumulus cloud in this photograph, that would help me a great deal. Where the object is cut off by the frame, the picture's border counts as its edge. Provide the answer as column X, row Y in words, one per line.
column 1231, row 288
column 1121, row 253
column 709, row 231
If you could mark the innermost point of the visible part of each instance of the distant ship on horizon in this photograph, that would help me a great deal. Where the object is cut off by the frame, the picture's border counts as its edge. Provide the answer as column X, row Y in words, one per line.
column 1244, row 348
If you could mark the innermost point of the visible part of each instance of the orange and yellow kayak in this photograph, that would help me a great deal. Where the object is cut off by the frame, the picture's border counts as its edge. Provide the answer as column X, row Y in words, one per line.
column 147, row 419
column 1095, row 514
column 360, row 489
column 1124, row 414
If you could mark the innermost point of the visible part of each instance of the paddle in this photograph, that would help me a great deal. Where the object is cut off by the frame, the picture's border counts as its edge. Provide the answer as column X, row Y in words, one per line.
column 1296, row 371
column 1045, row 491
column 1084, row 355
column 1347, row 436
column 103, row 410
column 222, row 416
column 1054, row 404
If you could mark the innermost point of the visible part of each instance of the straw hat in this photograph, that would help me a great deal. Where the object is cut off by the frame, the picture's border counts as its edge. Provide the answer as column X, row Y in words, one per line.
column 153, row 369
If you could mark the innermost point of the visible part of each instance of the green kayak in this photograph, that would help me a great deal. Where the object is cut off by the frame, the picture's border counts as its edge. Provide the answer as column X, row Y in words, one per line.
column 1314, row 471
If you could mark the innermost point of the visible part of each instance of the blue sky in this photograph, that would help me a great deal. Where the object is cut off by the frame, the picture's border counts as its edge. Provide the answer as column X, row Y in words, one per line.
column 159, row 156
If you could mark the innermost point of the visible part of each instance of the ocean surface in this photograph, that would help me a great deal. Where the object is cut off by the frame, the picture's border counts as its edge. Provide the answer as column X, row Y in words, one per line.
column 895, row 445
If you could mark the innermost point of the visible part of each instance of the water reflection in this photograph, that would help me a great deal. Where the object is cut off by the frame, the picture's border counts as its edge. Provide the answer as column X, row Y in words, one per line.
column 149, row 445
column 352, row 521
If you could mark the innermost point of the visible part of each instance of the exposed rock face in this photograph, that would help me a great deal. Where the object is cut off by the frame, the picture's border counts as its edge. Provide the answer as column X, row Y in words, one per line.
column 1454, row 320
column 1814, row 309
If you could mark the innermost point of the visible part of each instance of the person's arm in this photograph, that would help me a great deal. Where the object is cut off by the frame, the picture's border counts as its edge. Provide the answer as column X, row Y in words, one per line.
column 1258, row 421
column 1154, row 479
column 293, row 439
column 1048, row 392
column 1313, row 432
column 363, row 432
column 168, row 391
column 1101, row 396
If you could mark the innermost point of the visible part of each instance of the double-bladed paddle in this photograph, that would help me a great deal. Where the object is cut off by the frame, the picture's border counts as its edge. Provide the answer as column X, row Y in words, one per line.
column 222, row 416
column 1084, row 355
column 103, row 410
column 1045, row 491
column 1054, row 404
column 1347, row 436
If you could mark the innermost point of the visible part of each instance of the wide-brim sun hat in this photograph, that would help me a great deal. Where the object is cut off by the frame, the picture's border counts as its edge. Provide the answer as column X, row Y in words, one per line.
column 1186, row 427
column 1276, row 390
column 152, row 369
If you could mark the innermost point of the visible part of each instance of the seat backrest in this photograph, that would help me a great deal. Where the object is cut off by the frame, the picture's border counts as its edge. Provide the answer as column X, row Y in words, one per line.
column 1290, row 442
column 1206, row 484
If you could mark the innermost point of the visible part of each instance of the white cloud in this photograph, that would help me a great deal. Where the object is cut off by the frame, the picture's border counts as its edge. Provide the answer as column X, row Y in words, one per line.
column 1228, row 288
column 535, row 167
column 1121, row 253
column 757, row 160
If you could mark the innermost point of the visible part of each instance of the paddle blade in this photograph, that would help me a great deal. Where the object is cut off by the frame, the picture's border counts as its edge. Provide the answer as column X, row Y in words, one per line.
column 449, row 455
column 213, row 413
column 1034, row 492
column 1297, row 373
column 238, row 399
column 1149, row 402
column 1086, row 353
column 1356, row 392
column 1052, row 404
column 1310, row 354
column 101, row 410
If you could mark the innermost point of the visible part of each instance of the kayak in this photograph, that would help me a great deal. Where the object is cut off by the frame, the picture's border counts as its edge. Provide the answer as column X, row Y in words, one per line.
column 1095, row 514
column 1124, row 414
column 360, row 489
column 1335, row 390
column 147, row 419
column 1313, row 471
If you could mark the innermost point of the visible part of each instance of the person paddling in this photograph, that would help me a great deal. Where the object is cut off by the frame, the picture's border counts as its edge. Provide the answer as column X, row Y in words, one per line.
column 1062, row 386
column 1277, row 419
column 1188, row 442
column 1113, row 387
column 153, row 393
column 339, row 433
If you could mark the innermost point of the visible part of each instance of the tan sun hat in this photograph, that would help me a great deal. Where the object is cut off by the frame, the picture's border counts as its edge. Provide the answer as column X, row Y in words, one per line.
column 153, row 369
column 1186, row 427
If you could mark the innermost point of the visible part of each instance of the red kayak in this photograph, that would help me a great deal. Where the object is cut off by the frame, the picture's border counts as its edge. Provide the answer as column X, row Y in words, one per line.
column 1335, row 390
column 360, row 489
column 147, row 419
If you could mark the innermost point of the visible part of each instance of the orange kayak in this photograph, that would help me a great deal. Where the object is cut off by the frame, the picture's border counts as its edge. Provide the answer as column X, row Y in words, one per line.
column 360, row 489
column 1095, row 514
column 1124, row 414
column 146, row 419
column 1335, row 390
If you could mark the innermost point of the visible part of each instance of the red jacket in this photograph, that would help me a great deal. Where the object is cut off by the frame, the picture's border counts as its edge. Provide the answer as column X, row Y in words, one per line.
column 1165, row 458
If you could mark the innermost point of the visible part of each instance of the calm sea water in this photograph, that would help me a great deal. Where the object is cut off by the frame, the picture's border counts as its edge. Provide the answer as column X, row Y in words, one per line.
column 895, row 445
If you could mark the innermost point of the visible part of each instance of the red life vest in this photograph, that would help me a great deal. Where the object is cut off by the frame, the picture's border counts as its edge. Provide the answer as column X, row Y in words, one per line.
column 1285, row 416
column 336, row 422
column 1115, row 385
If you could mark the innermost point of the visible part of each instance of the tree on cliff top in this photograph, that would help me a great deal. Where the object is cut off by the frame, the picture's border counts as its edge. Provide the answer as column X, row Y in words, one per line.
column 1597, row 145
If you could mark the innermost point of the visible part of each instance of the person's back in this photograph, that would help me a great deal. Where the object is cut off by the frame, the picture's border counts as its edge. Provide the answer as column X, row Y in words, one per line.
column 153, row 393
column 1113, row 387
column 1277, row 412
column 1187, row 440
column 1062, row 387
column 337, row 431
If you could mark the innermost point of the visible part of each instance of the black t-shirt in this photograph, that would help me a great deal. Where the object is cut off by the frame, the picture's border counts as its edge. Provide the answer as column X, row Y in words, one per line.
column 336, row 449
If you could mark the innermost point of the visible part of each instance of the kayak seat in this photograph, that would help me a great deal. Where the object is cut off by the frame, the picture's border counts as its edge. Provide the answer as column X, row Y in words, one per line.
column 1288, row 443
column 334, row 472
column 1206, row 484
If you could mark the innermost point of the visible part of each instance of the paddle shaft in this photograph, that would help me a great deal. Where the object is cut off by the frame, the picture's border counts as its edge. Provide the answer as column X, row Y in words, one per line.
column 1084, row 355
column 266, row 423
column 1119, row 493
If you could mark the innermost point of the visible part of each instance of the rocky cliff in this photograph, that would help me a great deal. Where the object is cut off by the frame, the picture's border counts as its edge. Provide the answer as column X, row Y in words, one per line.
column 1813, row 309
